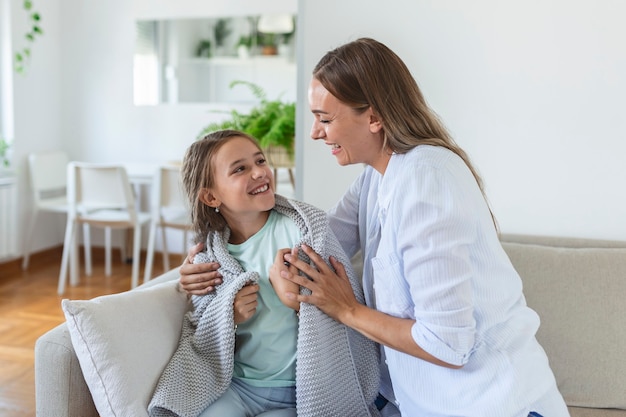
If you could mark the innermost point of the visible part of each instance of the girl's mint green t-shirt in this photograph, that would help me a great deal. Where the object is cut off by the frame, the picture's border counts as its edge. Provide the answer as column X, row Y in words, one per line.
column 265, row 346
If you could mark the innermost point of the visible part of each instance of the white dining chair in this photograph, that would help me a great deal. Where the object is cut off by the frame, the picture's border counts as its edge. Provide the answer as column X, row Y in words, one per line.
column 99, row 195
column 48, row 180
column 169, row 211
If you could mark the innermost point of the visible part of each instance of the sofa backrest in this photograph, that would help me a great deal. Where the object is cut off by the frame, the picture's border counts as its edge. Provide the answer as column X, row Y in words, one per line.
column 578, row 288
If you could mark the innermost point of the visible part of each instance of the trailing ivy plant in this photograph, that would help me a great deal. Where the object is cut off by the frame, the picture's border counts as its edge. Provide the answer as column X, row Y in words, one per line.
column 4, row 148
column 271, row 122
column 22, row 56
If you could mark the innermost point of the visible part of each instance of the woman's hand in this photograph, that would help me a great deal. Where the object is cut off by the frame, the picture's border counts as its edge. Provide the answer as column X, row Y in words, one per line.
column 331, row 292
column 280, row 285
column 245, row 303
column 198, row 279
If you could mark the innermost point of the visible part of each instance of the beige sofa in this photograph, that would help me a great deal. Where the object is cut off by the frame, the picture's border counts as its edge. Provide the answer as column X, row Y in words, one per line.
column 578, row 287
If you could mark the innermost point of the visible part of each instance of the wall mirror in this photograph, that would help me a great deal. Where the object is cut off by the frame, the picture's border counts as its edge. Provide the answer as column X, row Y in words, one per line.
column 195, row 60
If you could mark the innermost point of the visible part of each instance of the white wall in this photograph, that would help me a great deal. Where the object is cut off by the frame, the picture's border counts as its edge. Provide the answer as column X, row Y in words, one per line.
column 533, row 90
column 167, row 9
column 36, row 100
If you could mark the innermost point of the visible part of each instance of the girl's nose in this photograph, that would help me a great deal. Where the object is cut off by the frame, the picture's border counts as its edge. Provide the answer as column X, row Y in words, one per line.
column 258, row 172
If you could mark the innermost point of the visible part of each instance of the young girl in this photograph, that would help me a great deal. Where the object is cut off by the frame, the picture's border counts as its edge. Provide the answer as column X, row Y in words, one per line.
column 242, row 351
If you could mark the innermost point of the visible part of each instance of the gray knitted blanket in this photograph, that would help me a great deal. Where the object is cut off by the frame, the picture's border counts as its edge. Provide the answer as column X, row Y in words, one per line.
column 337, row 372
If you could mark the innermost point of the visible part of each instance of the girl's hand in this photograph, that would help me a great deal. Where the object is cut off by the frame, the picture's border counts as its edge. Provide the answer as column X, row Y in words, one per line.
column 245, row 303
column 331, row 292
column 280, row 285
column 198, row 279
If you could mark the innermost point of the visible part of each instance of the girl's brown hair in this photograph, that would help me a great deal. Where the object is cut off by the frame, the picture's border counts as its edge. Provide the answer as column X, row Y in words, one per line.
column 197, row 174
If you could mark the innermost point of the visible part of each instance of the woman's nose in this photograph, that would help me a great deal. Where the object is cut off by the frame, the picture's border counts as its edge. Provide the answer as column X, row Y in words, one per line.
column 317, row 132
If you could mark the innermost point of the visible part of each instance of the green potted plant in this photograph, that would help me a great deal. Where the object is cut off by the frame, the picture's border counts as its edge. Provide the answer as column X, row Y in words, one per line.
column 271, row 122
column 243, row 46
column 221, row 30
column 268, row 44
column 203, row 50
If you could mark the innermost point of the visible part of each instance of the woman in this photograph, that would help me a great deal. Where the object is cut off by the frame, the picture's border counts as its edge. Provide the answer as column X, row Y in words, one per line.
column 442, row 297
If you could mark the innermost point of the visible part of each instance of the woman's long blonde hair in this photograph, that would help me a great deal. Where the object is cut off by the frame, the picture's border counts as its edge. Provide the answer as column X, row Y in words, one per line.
column 366, row 73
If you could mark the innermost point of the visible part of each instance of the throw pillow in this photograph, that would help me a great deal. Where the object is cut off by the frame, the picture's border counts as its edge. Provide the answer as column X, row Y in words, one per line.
column 123, row 342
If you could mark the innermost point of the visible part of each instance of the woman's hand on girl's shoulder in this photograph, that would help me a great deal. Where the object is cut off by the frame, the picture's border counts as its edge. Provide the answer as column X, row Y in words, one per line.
column 198, row 279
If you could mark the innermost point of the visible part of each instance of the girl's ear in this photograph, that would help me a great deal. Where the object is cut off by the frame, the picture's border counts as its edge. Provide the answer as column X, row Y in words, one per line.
column 375, row 122
column 206, row 196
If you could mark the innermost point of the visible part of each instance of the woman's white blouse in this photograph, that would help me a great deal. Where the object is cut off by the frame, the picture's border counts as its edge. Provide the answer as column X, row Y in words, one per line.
column 431, row 253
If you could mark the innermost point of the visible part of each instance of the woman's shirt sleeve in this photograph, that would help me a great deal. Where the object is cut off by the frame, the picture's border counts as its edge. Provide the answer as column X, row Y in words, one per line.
column 344, row 218
column 435, row 224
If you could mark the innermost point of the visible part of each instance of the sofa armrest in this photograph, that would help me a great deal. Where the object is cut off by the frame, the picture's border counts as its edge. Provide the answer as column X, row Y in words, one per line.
column 60, row 389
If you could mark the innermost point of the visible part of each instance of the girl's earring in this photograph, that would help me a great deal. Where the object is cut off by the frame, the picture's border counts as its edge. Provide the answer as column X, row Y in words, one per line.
column 217, row 209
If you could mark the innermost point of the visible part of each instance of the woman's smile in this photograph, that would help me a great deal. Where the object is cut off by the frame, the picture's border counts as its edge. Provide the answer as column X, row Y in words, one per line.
column 335, row 149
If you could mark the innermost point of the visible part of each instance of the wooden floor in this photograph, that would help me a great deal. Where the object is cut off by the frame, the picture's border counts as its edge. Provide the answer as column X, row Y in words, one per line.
column 30, row 306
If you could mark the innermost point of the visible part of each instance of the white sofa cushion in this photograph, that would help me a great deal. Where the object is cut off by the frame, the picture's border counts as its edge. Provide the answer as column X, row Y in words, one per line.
column 123, row 342
column 579, row 294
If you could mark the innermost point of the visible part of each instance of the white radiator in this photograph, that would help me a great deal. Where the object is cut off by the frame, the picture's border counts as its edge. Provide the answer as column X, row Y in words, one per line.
column 8, row 218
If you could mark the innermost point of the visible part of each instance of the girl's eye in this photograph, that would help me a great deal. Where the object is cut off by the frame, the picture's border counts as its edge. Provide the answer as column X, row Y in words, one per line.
column 261, row 161
column 239, row 169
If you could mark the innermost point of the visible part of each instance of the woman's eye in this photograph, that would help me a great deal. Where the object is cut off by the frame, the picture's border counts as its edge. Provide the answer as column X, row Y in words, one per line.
column 262, row 161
